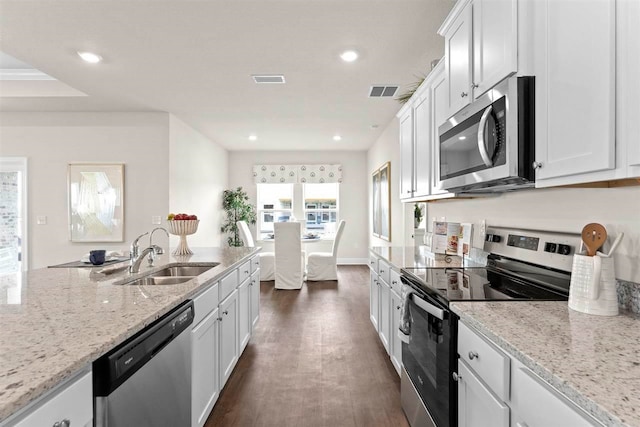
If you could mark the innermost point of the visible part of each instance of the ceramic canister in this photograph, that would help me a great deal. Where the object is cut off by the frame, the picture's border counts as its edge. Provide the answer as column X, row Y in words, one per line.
column 593, row 286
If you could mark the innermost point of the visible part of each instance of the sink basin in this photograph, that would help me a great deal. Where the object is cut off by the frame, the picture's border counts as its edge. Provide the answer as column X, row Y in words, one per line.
column 154, row 281
column 183, row 270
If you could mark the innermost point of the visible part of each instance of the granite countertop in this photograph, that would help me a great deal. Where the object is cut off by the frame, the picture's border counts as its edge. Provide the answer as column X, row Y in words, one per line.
column 594, row 361
column 57, row 321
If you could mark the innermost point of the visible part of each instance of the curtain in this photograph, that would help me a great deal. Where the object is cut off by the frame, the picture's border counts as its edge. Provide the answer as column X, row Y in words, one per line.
column 292, row 174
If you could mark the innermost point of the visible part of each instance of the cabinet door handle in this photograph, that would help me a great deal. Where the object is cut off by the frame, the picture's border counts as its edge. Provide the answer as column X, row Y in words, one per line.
column 473, row 355
column 456, row 377
column 65, row 423
column 394, row 282
column 408, row 191
column 536, row 165
column 381, row 271
column 219, row 319
column 474, row 86
column 397, row 307
column 246, row 272
column 463, row 94
column 225, row 312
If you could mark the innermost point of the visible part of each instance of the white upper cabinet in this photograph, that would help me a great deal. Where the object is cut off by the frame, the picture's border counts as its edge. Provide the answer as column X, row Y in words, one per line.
column 575, row 48
column 439, row 102
column 495, row 35
column 422, row 149
column 481, row 43
column 628, row 82
column 458, row 60
column 406, row 153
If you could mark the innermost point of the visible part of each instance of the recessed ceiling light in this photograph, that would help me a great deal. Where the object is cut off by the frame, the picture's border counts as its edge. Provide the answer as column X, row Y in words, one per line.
column 349, row 55
column 90, row 57
column 462, row 138
column 253, row 137
column 337, row 138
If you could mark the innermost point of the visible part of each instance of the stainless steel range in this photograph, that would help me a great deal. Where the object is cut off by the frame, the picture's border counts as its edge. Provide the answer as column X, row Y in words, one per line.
column 523, row 265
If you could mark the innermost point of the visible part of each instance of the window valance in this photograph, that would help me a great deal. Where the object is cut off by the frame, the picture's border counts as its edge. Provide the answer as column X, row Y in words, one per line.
column 292, row 174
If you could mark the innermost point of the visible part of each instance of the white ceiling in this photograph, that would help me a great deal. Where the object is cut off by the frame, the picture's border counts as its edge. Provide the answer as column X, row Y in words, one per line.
column 194, row 58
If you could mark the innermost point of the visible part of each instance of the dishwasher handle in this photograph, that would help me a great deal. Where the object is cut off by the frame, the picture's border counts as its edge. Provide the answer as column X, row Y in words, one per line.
column 112, row 369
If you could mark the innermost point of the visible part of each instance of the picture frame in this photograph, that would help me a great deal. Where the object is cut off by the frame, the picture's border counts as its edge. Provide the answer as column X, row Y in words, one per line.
column 96, row 202
column 382, row 202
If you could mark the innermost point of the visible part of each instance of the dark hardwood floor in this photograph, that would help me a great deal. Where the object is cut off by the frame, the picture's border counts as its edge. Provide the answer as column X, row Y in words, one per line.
column 314, row 360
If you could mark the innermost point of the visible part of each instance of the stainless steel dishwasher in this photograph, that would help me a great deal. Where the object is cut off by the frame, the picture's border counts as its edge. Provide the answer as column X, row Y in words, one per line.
column 146, row 381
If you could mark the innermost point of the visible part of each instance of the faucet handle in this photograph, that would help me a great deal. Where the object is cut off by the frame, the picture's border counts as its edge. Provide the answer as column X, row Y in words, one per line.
column 135, row 248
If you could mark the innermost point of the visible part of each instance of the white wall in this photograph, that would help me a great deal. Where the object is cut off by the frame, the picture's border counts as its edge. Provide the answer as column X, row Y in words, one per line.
column 198, row 176
column 387, row 149
column 52, row 140
column 353, row 193
column 558, row 209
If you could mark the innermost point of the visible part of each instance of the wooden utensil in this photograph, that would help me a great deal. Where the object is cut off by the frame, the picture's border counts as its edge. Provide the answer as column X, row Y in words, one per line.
column 593, row 236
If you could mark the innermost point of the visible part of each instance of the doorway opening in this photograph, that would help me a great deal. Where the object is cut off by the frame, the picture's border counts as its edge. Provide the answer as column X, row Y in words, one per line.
column 13, row 215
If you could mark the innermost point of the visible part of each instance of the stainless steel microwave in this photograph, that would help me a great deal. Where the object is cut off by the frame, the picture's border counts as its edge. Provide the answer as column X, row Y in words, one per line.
column 489, row 146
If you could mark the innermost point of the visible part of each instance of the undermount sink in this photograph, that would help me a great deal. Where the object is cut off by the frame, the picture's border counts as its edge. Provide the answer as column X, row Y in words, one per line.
column 154, row 281
column 183, row 270
column 172, row 275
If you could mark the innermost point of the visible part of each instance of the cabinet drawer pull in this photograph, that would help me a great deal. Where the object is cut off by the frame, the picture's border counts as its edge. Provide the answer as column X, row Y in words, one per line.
column 456, row 377
column 381, row 271
column 474, row 86
column 397, row 307
column 394, row 282
column 473, row 355
column 225, row 312
column 536, row 165
column 219, row 319
column 463, row 94
column 246, row 272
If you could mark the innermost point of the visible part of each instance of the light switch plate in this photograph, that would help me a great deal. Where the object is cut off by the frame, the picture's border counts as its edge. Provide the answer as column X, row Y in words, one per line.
column 41, row 220
column 156, row 219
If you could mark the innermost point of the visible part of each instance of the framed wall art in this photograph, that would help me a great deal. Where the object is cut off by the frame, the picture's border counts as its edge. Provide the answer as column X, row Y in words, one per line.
column 382, row 202
column 96, row 202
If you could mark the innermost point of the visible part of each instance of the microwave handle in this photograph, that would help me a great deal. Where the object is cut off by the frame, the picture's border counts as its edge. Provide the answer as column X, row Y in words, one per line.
column 429, row 308
column 482, row 148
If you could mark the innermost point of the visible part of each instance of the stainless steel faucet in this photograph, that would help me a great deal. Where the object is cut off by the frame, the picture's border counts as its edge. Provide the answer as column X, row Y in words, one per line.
column 135, row 248
column 135, row 263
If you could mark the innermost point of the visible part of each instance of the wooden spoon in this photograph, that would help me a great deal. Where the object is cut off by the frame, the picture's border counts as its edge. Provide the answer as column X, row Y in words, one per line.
column 593, row 235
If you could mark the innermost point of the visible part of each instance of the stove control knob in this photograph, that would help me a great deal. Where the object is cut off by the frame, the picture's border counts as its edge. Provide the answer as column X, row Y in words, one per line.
column 495, row 238
column 564, row 249
column 550, row 247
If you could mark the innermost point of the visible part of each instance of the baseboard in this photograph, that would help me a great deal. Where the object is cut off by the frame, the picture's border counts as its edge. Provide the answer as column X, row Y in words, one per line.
column 353, row 261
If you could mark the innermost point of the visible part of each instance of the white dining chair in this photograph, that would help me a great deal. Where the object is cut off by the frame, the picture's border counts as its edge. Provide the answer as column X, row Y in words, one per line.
column 288, row 247
column 324, row 265
column 267, row 259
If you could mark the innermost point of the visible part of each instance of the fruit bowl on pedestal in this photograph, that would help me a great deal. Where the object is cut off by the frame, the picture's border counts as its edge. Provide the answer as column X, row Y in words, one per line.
column 183, row 228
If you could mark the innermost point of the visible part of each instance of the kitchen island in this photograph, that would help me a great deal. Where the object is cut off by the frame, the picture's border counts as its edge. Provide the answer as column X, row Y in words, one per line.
column 57, row 321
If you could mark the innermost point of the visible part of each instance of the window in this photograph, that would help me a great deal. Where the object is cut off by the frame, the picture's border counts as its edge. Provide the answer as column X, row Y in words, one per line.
column 321, row 207
column 315, row 205
column 275, row 204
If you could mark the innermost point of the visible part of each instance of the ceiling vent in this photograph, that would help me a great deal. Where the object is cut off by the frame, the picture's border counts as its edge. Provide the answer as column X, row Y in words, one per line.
column 379, row 91
column 268, row 78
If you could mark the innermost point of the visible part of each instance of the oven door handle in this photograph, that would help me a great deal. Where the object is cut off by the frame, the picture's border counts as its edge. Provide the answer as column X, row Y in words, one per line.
column 429, row 308
column 482, row 147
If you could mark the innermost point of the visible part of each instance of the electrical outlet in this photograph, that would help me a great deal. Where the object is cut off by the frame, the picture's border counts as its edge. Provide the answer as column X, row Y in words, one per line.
column 483, row 231
column 41, row 220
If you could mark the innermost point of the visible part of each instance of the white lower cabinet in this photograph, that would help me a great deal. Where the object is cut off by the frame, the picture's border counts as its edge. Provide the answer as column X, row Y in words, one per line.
column 494, row 392
column 70, row 404
column 205, row 384
column 244, row 313
column 477, row 405
column 384, row 325
column 229, row 336
column 394, row 340
column 255, row 299
column 374, row 300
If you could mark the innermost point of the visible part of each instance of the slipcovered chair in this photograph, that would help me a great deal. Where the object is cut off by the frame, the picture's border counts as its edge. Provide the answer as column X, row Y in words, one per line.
column 324, row 265
column 267, row 259
column 289, row 263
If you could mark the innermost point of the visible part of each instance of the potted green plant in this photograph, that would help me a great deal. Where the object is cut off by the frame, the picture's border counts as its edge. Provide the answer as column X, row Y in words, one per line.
column 417, row 215
column 237, row 208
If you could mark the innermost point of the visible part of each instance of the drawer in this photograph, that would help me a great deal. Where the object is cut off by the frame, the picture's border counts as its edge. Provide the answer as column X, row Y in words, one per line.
column 530, row 393
column 244, row 271
column 395, row 284
column 373, row 263
column 228, row 284
column 383, row 271
column 205, row 302
column 485, row 359
column 73, row 402
column 255, row 263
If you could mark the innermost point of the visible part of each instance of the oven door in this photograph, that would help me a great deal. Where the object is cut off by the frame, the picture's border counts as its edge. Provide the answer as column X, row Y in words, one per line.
column 429, row 357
